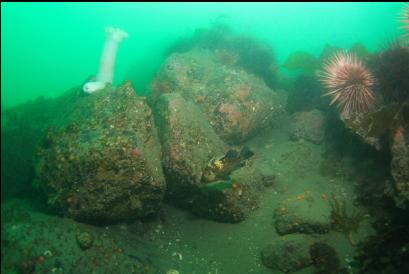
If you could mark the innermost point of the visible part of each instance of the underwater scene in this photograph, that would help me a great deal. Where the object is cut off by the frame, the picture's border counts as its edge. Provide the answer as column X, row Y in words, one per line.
column 205, row 138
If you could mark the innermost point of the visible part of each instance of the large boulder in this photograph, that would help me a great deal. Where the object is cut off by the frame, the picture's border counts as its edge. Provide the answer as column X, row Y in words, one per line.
column 236, row 103
column 189, row 143
column 309, row 126
column 103, row 162
column 288, row 253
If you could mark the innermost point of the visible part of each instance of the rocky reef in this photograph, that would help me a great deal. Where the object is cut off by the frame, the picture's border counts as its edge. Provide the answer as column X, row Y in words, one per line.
column 100, row 158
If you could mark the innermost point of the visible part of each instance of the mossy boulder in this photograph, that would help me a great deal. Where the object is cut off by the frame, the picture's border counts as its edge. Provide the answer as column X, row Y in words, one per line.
column 102, row 164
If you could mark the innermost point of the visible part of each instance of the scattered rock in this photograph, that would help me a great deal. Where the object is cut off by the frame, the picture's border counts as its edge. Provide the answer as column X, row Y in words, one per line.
column 305, row 213
column 288, row 253
column 308, row 126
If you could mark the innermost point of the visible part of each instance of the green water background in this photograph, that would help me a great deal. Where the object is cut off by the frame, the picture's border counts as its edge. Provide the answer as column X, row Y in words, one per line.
column 47, row 48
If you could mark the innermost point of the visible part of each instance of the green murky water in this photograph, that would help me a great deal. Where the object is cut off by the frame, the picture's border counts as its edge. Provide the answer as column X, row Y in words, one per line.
column 48, row 48
column 212, row 150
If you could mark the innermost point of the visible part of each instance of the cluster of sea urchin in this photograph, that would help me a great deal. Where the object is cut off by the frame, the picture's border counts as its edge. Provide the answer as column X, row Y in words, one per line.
column 349, row 84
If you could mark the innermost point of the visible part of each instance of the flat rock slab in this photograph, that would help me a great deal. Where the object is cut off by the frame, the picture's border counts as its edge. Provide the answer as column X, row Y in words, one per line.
column 305, row 213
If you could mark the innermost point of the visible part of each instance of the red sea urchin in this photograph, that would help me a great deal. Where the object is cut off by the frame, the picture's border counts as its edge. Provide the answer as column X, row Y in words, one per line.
column 349, row 84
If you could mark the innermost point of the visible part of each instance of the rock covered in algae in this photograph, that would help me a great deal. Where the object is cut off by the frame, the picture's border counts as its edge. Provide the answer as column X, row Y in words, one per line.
column 288, row 253
column 236, row 103
column 189, row 143
column 103, row 162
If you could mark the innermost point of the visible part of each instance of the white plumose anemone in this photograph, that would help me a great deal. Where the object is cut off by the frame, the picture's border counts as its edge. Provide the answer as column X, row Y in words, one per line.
column 107, row 65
